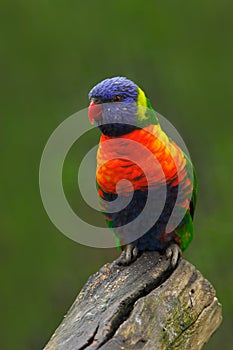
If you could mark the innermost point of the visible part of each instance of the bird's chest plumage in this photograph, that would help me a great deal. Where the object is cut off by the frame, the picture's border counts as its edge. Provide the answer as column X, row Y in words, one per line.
column 145, row 158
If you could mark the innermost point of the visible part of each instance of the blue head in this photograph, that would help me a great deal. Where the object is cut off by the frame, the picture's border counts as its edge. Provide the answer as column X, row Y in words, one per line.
column 114, row 106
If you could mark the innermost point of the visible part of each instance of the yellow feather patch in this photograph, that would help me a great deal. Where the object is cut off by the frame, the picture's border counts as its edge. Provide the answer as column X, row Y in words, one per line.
column 142, row 105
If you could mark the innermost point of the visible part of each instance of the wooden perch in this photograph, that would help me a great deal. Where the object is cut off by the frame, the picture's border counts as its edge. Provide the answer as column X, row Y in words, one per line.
column 146, row 305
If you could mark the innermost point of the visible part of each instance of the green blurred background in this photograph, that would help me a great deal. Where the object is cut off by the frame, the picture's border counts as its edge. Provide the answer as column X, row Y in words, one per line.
column 52, row 53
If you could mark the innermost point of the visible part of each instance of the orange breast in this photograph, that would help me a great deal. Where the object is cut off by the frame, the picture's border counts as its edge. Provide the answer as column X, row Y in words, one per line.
column 145, row 157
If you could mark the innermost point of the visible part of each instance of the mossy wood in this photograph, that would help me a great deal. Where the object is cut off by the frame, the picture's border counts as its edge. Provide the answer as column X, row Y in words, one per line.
column 146, row 305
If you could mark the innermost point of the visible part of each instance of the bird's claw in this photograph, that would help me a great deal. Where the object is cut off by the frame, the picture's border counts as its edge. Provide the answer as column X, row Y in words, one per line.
column 129, row 254
column 173, row 252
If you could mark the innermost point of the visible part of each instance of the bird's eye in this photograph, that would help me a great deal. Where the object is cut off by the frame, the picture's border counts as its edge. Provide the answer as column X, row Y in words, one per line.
column 117, row 98
column 96, row 100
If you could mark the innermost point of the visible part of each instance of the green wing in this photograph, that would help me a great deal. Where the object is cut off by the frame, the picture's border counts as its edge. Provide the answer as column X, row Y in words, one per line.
column 185, row 229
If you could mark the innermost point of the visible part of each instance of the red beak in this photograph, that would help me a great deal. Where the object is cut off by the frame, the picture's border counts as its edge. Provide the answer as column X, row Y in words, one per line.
column 95, row 112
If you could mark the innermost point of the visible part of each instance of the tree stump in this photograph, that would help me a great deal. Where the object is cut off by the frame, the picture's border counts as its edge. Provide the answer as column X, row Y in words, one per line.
column 146, row 305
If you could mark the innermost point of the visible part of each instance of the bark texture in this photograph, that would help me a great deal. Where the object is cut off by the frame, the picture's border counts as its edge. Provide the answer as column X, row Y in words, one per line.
column 146, row 305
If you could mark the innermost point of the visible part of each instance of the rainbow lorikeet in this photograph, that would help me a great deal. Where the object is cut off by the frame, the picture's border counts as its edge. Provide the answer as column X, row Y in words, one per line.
column 136, row 163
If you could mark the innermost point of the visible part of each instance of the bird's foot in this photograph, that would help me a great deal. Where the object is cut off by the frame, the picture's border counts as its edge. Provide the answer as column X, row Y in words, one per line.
column 129, row 254
column 173, row 252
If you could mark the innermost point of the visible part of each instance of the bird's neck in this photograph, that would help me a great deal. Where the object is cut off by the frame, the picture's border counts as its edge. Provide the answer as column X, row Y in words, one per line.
column 144, row 136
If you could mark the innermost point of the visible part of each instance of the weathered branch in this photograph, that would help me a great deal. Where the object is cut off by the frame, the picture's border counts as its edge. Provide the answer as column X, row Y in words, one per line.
column 145, row 305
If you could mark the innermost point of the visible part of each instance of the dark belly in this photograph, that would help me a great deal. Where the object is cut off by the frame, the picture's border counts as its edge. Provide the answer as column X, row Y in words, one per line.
column 146, row 223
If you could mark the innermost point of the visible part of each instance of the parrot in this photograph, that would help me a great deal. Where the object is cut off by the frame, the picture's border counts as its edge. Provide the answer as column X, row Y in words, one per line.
column 137, row 163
